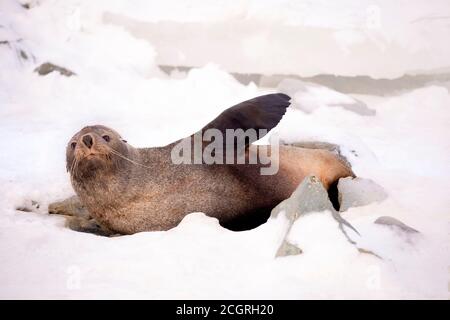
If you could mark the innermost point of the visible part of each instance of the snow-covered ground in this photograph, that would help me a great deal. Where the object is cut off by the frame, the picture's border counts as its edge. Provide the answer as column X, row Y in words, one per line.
column 404, row 147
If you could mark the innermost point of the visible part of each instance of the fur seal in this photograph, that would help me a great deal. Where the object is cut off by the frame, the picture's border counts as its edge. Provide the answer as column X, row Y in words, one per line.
column 128, row 190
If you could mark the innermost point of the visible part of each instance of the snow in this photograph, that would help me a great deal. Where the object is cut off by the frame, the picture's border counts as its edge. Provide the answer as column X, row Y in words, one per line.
column 309, row 96
column 403, row 147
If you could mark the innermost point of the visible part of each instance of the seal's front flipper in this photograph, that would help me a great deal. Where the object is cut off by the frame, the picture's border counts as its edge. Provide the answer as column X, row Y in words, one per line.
column 87, row 226
column 69, row 207
column 229, row 135
column 263, row 112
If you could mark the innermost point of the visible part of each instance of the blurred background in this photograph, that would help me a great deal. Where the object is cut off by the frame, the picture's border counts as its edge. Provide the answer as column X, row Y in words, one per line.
column 342, row 44
column 345, row 44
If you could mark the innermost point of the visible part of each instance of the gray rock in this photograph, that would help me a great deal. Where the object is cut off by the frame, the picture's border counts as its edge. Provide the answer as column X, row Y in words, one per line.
column 288, row 249
column 310, row 196
column 48, row 67
column 392, row 222
column 21, row 51
column 356, row 192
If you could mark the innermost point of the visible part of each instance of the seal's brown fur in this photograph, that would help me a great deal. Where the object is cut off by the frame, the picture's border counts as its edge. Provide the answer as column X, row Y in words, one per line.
column 129, row 190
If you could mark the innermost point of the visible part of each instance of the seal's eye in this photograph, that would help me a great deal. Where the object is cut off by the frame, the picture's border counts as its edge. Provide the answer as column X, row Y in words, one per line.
column 73, row 145
column 106, row 138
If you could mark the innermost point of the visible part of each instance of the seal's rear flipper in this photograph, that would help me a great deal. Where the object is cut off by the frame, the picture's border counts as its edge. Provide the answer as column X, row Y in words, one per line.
column 263, row 112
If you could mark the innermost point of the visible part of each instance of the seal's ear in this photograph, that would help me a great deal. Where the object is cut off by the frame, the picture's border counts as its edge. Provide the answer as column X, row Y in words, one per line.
column 263, row 112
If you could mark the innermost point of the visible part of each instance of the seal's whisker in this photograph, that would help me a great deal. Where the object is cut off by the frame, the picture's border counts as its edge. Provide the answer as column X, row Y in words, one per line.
column 72, row 167
column 75, row 167
column 117, row 153
column 77, row 164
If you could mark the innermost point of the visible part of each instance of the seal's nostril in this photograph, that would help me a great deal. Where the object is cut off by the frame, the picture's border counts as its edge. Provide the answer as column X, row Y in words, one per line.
column 87, row 140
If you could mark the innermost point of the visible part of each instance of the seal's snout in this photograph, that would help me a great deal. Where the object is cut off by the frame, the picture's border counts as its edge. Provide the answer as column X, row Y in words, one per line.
column 88, row 141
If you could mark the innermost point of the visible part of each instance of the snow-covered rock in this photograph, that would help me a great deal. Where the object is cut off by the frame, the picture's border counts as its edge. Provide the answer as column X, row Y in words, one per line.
column 309, row 198
column 395, row 223
column 48, row 67
column 355, row 192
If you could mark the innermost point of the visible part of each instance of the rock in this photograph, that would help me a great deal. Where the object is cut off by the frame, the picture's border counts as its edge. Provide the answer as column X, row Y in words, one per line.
column 365, row 251
column 309, row 197
column 392, row 222
column 288, row 249
column 22, row 53
column 69, row 207
column 356, row 192
column 48, row 67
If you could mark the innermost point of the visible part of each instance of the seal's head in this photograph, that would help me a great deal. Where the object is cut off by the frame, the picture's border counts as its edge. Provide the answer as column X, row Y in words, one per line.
column 93, row 150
